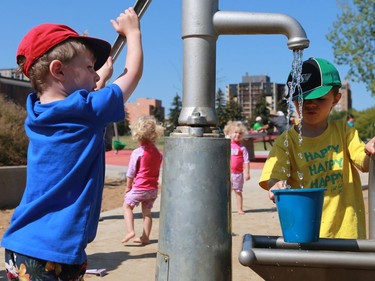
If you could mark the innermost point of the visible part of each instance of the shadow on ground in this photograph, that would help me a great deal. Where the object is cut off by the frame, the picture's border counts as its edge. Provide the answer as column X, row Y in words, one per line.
column 111, row 261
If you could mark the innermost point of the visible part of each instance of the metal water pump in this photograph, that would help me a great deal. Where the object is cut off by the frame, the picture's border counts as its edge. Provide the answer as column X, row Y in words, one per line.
column 195, row 216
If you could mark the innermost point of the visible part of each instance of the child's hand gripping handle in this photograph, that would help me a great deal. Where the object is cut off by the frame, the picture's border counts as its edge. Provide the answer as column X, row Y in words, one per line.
column 139, row 7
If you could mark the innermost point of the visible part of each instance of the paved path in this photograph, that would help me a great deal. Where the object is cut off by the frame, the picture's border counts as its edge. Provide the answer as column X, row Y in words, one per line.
column 135, row 262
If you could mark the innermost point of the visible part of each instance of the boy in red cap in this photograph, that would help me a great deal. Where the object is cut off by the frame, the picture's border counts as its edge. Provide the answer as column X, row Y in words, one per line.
column 328, row 156
column 66, row 119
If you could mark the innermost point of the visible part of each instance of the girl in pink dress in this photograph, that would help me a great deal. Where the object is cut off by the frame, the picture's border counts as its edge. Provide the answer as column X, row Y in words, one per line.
column 142, row 176
column 240, row 163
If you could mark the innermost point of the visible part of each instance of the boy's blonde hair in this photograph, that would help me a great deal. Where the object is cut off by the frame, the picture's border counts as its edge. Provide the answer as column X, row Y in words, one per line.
column 63, row 52
column 235, row 125
column 146, row 128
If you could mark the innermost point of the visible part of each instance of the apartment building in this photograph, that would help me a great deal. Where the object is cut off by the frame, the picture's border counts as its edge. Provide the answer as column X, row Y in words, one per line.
column 143, row 106
column 345, row 102
column 14, row 87
column 253, row 87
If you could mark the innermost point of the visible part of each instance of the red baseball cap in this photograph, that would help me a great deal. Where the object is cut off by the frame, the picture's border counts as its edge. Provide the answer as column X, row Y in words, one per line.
column 44, row 37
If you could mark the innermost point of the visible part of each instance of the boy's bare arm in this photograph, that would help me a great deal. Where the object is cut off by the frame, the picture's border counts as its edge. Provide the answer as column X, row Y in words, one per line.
column 105, row 73
column 369, row 150
column 274, row 184
column 127, row 24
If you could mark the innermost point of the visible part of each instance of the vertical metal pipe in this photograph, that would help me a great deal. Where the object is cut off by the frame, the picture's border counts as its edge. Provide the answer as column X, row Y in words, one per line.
column 199, row 41
column 371, row 198
column 195, row 240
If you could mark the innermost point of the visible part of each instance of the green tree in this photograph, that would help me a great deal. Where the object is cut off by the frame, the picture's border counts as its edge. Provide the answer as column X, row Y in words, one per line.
column 352, row 37
column 337, row 115
column 123, row 126
column 220, row 109
column 233, row 111
column 174, row 113
column 365, row 123
column 261, row 109
column 158, row 113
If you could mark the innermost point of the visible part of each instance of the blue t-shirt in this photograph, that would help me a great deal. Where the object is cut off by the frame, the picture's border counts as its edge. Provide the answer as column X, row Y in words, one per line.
column 59, row 211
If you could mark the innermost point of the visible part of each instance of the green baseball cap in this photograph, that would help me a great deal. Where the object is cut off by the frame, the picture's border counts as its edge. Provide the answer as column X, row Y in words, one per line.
column 318, row 78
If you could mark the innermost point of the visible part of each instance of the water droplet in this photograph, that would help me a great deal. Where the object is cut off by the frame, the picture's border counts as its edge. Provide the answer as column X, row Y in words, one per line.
column 286, row 143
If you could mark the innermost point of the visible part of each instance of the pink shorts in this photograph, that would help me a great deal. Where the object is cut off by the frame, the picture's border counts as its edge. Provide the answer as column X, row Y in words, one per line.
column 237, row 182
column 146, row 197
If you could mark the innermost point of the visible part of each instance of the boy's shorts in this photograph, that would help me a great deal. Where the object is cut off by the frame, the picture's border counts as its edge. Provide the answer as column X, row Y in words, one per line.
column 21, row 267
column 146, row 197
column 237, row 182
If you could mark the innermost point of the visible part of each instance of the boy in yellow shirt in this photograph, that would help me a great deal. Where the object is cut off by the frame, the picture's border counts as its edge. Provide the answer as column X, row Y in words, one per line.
column 328, row 156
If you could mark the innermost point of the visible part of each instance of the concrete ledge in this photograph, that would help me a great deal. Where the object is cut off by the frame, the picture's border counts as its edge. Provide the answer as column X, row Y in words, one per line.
column 12, row 186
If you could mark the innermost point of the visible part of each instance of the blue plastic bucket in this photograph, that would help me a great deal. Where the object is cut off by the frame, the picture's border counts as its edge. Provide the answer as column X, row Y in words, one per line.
column 300, row 213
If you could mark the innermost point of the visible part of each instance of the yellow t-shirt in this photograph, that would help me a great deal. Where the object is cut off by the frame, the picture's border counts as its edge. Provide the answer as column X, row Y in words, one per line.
column 328, row 161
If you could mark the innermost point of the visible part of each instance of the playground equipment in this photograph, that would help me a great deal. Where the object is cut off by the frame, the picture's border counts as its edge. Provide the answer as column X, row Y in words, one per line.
column 140, row 7
column 195, row 240
column 117, row 144
column 327, row 259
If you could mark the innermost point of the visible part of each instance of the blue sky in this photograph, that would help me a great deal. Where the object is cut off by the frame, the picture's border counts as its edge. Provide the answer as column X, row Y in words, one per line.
column 161, row 28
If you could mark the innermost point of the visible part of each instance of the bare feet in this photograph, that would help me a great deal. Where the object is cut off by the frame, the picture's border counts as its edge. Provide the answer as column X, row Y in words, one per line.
column 241, row 212
column 142, row 240
column 128, row 236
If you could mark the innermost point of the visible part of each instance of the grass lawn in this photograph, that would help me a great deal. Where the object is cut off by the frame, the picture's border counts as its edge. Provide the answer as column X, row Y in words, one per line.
column 132, row 144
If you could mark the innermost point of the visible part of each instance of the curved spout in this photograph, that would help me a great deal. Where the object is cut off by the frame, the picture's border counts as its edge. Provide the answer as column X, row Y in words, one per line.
column 229, row 22
column 202, row 23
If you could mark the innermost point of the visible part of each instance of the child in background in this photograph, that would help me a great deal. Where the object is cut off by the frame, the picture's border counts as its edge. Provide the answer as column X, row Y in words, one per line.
column 240, row 163
column 331, row 154
column 142, row 176
column 66, row 119
column 258, row 124
column 350, row 120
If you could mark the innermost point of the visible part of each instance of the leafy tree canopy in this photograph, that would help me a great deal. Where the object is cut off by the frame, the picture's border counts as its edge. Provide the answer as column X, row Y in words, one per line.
column 352, row 37
column 174, row 113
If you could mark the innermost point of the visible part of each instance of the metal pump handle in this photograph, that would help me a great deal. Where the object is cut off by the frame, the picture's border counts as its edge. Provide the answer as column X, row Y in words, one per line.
column 139, row 7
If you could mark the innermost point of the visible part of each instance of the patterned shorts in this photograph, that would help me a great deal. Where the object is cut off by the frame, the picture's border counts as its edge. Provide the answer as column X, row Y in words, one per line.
column 237, row 182
column 146, row 197
column 20, row 267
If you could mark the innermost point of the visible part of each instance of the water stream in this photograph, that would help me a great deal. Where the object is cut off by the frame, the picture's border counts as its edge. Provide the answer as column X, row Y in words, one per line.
column 294, row 87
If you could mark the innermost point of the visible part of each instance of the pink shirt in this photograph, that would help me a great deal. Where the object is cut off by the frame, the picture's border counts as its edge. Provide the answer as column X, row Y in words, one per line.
column 239, row 156
column 144, row 166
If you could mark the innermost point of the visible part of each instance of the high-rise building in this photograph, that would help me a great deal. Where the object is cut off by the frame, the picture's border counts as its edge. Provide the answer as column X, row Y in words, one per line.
column 252, row 88
column 345, row 103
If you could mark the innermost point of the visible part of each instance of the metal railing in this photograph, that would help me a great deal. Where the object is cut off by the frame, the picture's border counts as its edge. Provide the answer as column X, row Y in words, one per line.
column 326, row 259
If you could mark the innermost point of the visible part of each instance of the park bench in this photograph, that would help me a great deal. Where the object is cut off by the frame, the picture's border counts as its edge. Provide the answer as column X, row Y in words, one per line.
column 250, row 139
